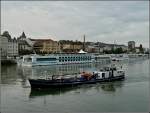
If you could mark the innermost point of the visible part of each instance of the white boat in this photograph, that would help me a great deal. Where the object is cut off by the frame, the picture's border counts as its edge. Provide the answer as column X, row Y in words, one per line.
column 107, row 72
column 119, row 57
column 53, row 59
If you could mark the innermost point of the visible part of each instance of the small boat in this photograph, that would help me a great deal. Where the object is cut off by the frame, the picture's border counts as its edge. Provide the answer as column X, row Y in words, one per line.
column 119, row 57
column 106, row 74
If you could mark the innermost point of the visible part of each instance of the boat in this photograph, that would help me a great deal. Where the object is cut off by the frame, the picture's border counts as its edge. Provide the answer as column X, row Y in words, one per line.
column 106, row 74
column 119, row 57
column 61, row 59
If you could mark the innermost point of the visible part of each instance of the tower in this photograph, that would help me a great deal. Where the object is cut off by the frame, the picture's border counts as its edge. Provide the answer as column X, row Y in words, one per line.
column 84, row 43
column 23, row 35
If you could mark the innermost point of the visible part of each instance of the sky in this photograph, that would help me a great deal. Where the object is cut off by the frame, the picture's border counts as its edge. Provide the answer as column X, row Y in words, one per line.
column 104, row 21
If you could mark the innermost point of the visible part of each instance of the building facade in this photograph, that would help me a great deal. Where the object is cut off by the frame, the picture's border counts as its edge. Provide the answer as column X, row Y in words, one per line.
column 46, row 46
column 24, row 47
column 68, row 46
column 9, row 47
column 12, row 50
column 3, row 46
column 131, row 46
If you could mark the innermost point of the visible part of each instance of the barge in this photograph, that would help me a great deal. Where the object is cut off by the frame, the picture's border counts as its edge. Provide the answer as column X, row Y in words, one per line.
column 104, row 75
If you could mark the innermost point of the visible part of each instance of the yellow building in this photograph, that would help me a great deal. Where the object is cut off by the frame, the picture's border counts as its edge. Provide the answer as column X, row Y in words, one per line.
column 46, row 46
column 70, row 46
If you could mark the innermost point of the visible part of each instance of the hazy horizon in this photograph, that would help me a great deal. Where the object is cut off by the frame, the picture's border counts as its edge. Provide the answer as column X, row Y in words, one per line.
column 103, row 21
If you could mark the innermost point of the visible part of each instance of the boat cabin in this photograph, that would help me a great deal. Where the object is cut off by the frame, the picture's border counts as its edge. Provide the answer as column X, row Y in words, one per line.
column 108, row 72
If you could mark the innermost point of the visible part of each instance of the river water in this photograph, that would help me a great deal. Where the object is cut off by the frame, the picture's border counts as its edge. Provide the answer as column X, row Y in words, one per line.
column 130, row 95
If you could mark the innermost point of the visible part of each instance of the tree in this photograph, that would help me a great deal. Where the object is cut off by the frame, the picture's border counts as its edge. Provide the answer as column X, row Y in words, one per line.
column 118, row 50
column 112, row 50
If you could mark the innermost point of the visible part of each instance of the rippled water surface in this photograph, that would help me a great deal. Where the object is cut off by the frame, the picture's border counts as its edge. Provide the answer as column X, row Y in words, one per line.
column 130, row 95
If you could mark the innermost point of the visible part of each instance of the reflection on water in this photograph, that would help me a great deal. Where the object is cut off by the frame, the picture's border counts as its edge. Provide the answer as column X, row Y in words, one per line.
column 100, row 97
column 15, row 75
column 109, row 87
column 9, row 74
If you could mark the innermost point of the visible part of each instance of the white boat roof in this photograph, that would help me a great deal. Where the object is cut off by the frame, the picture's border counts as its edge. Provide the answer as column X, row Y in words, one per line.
column 81, row 51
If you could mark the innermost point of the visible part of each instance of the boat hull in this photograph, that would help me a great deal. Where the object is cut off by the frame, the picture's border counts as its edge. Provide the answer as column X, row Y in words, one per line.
column 36, row 84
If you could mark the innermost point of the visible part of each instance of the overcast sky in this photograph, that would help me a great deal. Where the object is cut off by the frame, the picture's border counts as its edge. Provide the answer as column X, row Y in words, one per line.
column 104, row 21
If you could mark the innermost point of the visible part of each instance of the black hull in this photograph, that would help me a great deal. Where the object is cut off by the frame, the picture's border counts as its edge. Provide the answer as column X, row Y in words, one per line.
column 36, row 84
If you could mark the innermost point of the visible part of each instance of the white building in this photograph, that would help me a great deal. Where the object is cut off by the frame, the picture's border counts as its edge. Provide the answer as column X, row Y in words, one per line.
column 12, row 50
column 108, row 48
column 24, row 44
column 3, row 47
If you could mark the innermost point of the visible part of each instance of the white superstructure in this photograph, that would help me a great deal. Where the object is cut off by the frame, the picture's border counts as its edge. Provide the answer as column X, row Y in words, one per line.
column 53, row 59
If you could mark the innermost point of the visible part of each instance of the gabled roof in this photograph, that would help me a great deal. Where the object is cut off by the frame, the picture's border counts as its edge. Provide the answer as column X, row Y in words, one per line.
column 24, row 42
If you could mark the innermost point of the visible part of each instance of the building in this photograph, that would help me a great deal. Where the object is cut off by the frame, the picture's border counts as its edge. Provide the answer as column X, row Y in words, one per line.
column 24, row 47
column 3, row 46
column 137, row 49
column 9, row 47
column 108, row 47
column 45, row 46
column 100, row 47
column 131, row 46
column 68, row 46
column 12, row 50
column 94, row 49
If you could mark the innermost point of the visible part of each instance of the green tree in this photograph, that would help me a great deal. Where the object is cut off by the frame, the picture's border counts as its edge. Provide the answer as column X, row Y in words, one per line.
column 112, row 50
column 118, row 50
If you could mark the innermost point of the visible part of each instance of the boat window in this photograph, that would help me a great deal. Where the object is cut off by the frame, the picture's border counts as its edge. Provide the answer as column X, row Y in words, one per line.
column 119, row 71
column 28, row 59
column 103, row 75
column 46, row 59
